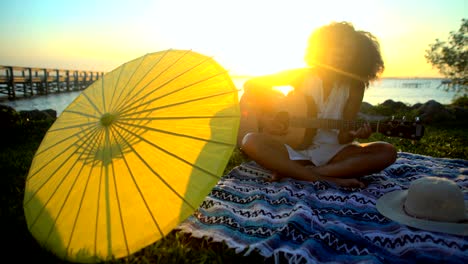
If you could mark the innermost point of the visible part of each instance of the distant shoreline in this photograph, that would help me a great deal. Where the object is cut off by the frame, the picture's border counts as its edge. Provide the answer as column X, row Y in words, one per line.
column 406, row 90
column 414, row 78
column 242, row 76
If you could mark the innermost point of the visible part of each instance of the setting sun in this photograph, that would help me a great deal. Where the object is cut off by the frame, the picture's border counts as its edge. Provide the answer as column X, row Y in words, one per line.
column 284, row 89
column 262, row 37
column 246, row 37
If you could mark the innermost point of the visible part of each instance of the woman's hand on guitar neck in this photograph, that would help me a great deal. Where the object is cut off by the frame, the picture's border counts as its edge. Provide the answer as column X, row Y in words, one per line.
column 363, row 132
column 347, row 136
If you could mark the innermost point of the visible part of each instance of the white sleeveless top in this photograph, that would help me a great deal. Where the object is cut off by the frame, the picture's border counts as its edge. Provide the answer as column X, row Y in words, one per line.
column 325, row 143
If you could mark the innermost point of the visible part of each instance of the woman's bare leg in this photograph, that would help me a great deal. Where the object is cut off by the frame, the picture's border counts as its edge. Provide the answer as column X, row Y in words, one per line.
column 357, row 161
column 273, row 155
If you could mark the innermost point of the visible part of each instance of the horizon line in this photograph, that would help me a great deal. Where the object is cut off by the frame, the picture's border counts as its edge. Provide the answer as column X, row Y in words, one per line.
column 384, row 77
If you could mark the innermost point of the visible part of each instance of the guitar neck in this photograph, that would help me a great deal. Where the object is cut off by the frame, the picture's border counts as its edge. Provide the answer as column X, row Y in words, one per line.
column 402, row 129
column 295, row 113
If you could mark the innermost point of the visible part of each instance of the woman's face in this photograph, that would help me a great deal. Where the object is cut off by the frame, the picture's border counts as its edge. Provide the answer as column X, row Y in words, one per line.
column 340, row 56
column 337, row 54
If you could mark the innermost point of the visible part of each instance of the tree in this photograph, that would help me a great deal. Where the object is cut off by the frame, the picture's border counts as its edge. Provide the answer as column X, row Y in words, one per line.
column 451, row 57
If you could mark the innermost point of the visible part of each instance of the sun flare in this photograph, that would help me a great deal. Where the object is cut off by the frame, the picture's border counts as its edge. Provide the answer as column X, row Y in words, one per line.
column 284, row 89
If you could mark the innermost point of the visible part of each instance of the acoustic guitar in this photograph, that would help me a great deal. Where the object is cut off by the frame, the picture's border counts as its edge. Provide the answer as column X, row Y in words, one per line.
column 296, row 118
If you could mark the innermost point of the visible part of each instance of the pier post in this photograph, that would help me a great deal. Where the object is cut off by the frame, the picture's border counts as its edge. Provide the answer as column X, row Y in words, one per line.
column 30, row 81
column 11, row 84
column 68, row 80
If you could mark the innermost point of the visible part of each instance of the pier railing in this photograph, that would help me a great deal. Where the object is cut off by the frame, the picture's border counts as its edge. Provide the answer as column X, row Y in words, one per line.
column 16, row 82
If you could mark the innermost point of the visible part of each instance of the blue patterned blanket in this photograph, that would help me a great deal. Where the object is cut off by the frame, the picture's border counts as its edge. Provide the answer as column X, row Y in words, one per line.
column 317, row 222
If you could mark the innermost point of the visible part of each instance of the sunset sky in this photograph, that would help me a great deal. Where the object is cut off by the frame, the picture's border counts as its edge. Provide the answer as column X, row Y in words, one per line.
column 247, row 37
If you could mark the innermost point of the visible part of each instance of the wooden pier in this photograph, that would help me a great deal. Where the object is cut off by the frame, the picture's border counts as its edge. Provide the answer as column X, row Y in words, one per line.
column 21, row 82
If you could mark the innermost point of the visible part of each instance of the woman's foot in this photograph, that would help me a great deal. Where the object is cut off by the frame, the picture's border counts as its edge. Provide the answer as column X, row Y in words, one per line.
column 343, row 182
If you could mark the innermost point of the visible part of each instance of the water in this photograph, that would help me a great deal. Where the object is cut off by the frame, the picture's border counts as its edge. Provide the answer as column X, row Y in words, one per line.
column 58, row 102
column 408, row 91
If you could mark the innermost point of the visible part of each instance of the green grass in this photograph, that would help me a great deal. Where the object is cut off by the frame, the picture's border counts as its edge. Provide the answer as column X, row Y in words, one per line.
column 20, row 143
column 442, row 140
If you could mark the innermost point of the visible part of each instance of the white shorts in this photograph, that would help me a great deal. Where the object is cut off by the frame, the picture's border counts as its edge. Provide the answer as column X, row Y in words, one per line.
column 317, row 154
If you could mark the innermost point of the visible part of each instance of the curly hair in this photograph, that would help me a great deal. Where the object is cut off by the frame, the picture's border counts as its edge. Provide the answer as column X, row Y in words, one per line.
column 368, row 63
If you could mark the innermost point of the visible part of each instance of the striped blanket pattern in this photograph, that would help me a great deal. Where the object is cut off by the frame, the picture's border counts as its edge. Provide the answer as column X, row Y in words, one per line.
column 318, row 222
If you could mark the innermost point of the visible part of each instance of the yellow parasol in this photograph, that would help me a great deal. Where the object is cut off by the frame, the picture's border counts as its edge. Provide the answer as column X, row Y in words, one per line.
column 132, row 156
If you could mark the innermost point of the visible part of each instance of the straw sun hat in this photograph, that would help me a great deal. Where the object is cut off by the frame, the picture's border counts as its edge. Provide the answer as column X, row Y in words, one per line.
column 430, row 203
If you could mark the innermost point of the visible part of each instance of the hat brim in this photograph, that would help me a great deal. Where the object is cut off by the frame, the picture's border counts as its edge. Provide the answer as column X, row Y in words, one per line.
column 391, row 206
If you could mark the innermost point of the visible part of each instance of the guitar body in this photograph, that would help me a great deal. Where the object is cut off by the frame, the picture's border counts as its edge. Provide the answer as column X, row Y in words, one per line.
column 300, row 107
column 280, row 109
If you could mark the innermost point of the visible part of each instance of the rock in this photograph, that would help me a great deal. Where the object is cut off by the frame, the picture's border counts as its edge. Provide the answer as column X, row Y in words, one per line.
column 387, row 108
column 51, row 112
column 396, row 106
column 365, row 107
column 48, row 114
column 416, row 106
column 10, row 125
column 432, row 111
column 460, row 113
column 9, row 118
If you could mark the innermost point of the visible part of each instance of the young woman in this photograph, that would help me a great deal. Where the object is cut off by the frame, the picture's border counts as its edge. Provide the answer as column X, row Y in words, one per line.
column 343, row 61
